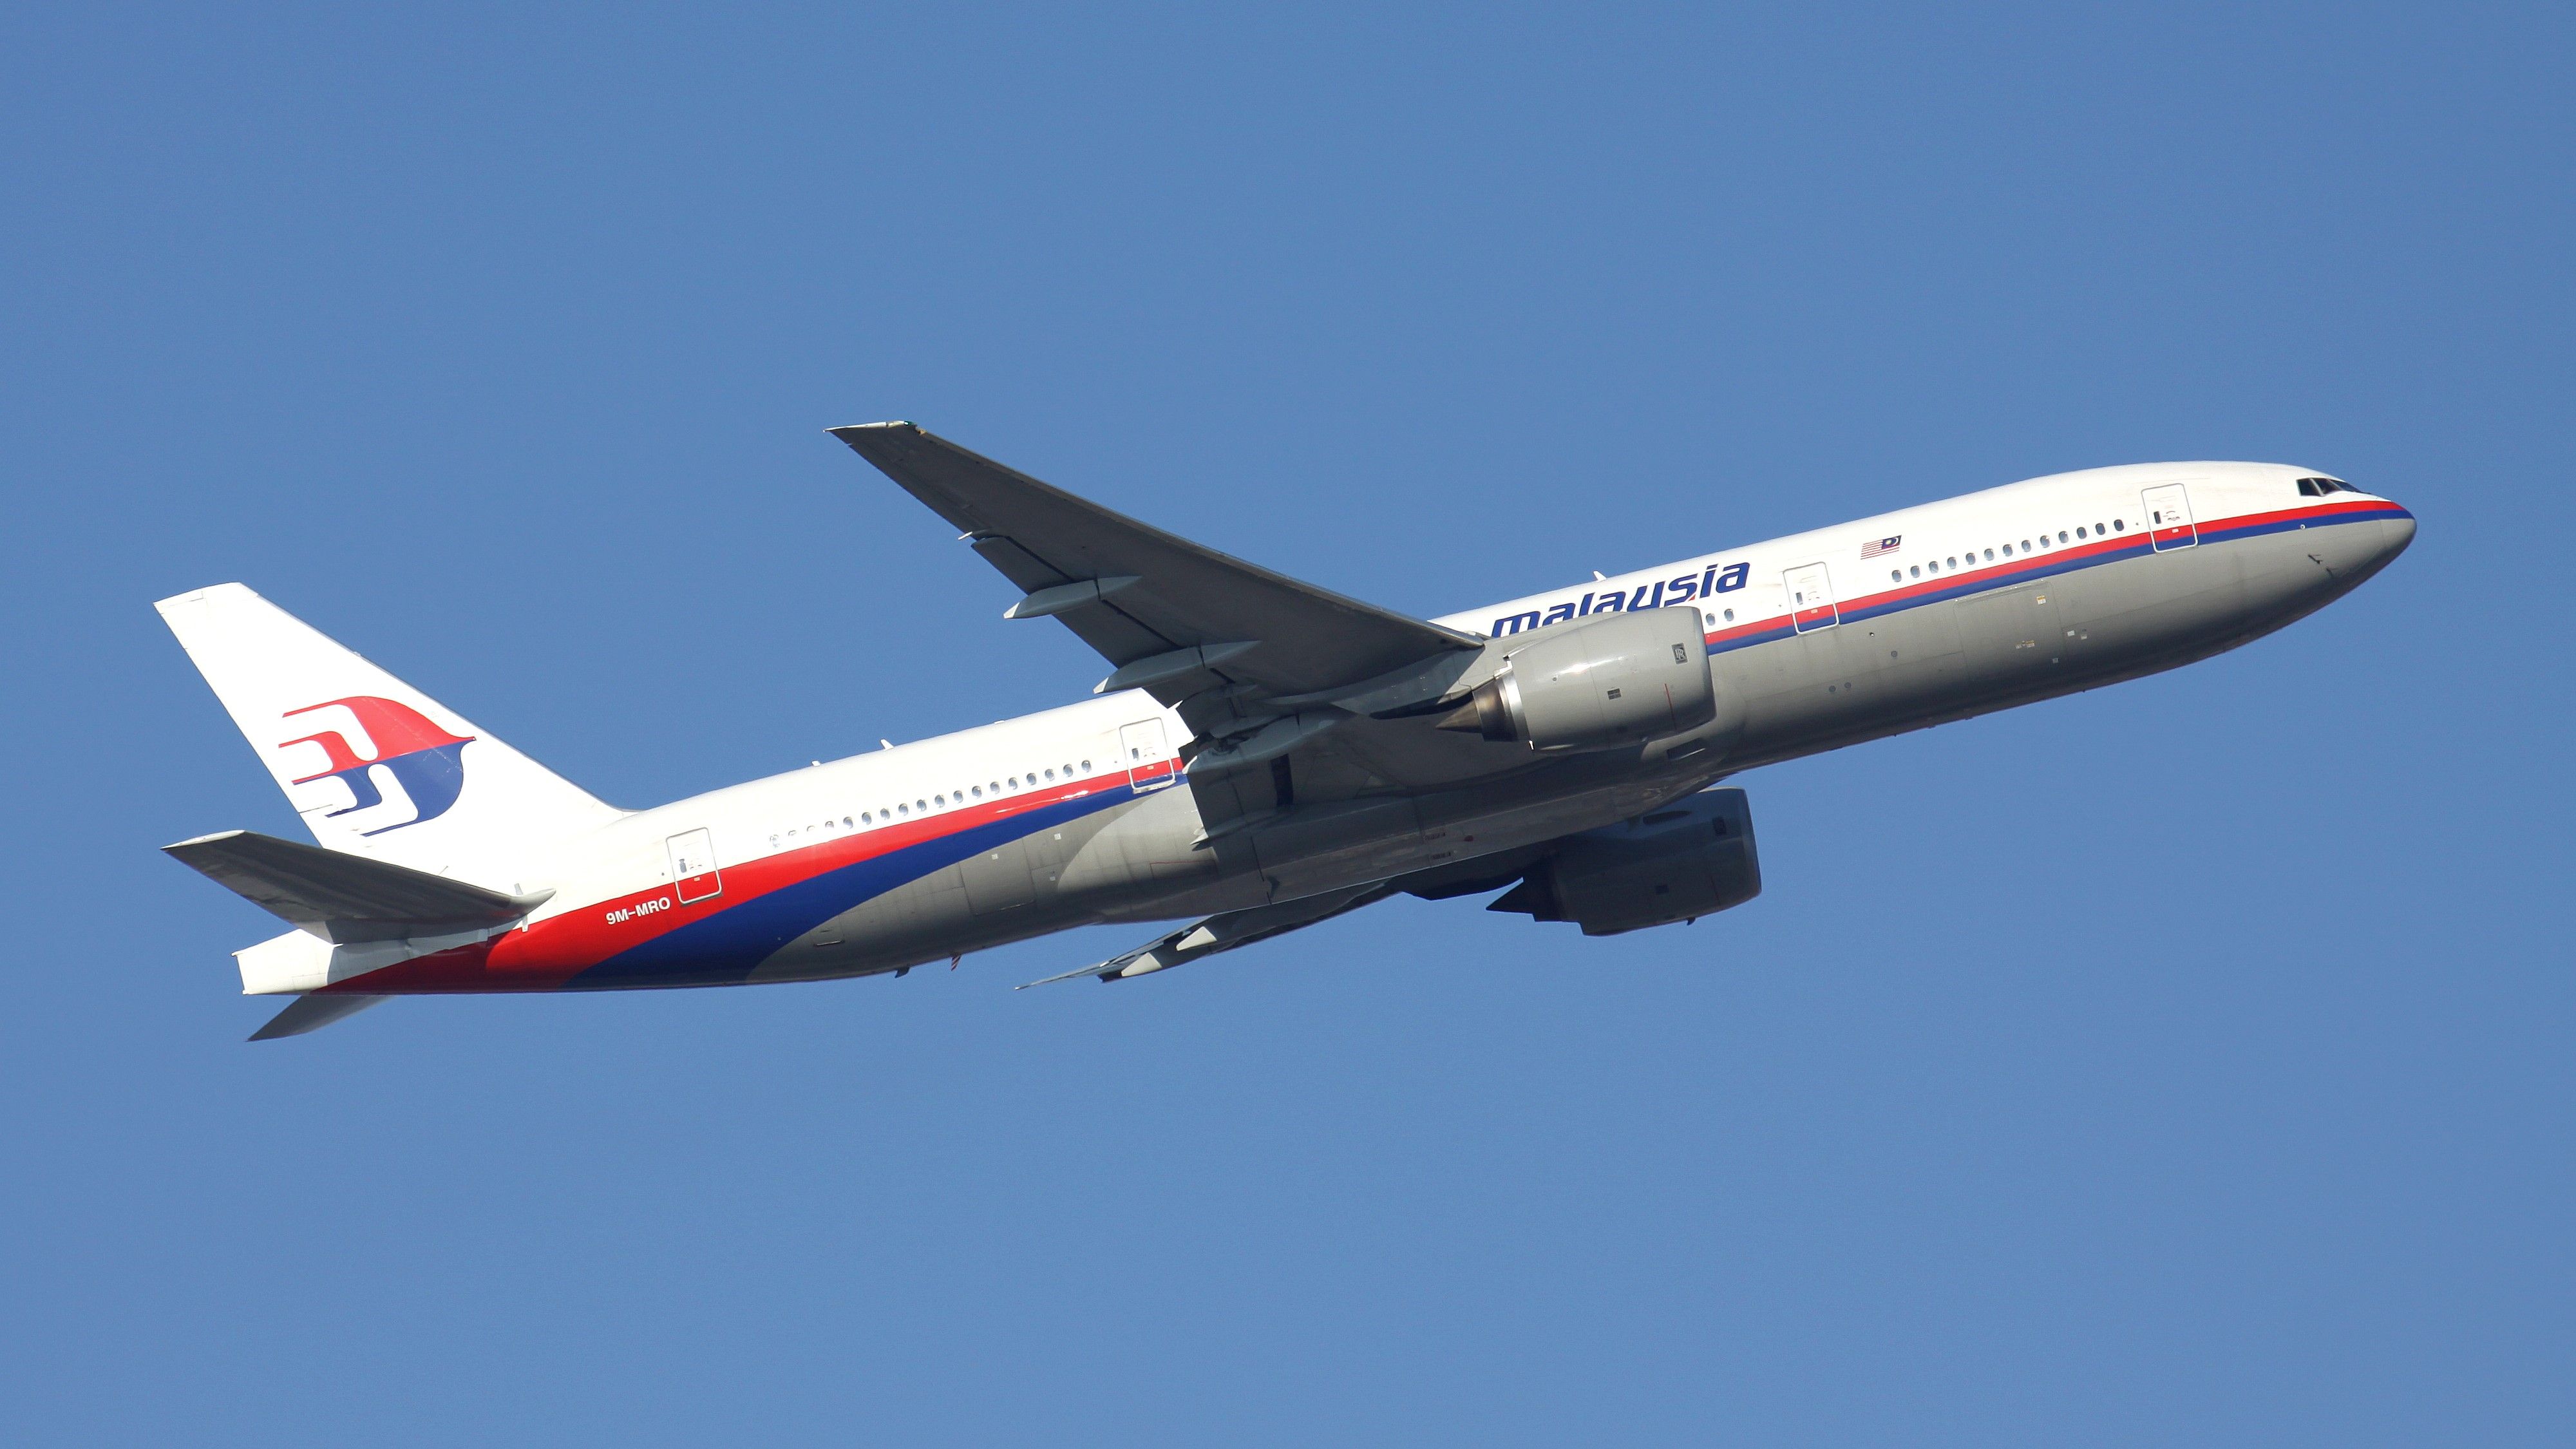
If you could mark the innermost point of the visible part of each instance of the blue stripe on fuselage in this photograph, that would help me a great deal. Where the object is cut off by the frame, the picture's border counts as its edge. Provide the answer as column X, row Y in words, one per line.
column 2050, row 565
column 725, row 948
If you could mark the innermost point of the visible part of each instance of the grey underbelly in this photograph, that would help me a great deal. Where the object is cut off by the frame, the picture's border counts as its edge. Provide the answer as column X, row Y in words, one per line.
column 2024, row 642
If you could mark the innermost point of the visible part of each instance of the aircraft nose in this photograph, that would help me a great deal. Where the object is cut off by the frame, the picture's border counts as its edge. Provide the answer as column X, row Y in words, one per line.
column 2395, row 534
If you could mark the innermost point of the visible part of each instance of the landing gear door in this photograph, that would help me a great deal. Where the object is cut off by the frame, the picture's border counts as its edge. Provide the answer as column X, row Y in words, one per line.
column 693, row 867
column 1811, row 598
column 1149, row 761
column 2169, row 516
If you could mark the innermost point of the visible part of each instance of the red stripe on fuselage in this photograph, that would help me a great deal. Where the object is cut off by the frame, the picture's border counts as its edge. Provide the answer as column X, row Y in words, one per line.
column 2091, row 549
column 544, row 955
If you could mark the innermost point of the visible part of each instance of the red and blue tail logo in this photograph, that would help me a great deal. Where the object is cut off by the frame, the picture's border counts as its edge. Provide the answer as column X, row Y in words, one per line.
column 428, row 762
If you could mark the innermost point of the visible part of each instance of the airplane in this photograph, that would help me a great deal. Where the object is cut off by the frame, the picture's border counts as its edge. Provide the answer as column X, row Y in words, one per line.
column 1263, row 755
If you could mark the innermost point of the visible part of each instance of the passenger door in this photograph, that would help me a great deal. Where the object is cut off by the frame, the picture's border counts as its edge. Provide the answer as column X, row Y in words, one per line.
column 1811, row 598
column 693, row 867
column 1150, row 765
column 2169, row 517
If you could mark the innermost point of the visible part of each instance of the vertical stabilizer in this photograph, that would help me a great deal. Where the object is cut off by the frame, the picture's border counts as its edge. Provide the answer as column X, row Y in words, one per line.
column 375, row 767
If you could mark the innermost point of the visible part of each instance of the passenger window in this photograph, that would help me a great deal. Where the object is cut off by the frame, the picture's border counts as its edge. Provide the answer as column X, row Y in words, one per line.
column 979, row 792
column 1710, row 621
column 2121, row 524
column 1990, row 555
column 1916, row 570
column 2061, row 535
column 2008, row 550
column 2025, row 545
column 1954, row 563
column 1730, row 616
column 1896, row 576
column 1086, row 766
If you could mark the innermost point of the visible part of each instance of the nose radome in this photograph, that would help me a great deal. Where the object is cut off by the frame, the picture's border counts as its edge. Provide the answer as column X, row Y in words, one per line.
column 2394, row 535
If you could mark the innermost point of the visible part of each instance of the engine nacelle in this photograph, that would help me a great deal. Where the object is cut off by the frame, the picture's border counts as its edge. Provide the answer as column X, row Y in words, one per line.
column 1692, row 858
column 1609, row 680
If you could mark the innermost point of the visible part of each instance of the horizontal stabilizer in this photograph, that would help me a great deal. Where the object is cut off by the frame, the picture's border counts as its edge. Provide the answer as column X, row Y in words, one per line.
column 312, row 1013
column 346, row 898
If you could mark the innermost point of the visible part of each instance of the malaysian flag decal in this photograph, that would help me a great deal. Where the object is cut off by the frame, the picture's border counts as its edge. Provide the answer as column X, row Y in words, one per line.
column 1877, row 546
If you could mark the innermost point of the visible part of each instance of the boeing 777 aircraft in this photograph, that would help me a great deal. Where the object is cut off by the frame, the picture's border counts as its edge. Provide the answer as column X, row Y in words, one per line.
column 1263, row 755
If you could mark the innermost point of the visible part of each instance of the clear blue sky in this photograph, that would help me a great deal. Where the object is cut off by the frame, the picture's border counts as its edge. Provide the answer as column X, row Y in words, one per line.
column 2189, row 1062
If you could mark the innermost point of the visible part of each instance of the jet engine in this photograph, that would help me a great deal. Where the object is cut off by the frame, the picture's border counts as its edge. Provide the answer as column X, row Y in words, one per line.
column 1609, row 680
column 1692, row 858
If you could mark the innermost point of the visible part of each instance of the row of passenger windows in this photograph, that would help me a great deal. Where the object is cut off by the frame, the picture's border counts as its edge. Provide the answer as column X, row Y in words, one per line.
column 2118, row 525
column 888, row 814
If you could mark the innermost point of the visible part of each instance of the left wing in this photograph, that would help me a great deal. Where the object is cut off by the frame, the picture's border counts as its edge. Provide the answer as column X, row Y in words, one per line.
column 1176, row 619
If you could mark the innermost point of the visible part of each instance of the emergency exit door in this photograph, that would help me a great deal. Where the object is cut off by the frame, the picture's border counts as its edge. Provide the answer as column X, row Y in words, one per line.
column 1811, row 598
column 1149, row 761
column 2169, row 517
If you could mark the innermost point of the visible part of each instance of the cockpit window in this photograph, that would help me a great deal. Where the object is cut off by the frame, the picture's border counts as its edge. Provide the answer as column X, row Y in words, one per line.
column 2320, row 487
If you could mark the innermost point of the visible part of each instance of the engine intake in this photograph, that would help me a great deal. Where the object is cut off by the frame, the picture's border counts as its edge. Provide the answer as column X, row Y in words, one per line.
column 1692, row 858
column 1608, row 680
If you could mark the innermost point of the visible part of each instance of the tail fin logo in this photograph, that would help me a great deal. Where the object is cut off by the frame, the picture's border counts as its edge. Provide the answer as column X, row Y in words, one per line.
column 427, row 761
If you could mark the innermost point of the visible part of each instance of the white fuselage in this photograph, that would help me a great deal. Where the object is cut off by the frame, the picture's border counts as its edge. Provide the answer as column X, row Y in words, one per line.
column 1083, row 813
